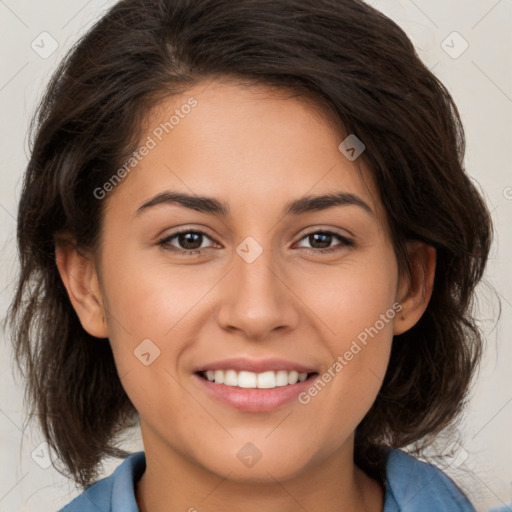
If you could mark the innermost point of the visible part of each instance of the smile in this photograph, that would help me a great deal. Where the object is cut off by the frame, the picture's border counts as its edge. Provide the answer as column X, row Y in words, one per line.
column 251, row 380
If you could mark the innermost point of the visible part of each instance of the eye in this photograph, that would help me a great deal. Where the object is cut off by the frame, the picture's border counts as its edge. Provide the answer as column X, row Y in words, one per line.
column 189, row 240
column 324, row 239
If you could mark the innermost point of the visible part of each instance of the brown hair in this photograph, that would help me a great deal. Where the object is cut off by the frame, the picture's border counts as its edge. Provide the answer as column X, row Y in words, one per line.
column 356, row 63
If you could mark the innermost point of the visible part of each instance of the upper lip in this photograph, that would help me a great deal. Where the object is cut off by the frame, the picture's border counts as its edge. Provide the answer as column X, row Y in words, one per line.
column 255, row 365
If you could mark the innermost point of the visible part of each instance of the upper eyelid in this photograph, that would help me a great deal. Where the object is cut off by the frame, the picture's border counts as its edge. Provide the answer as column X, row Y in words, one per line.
column 186, row 230
column 332, row 231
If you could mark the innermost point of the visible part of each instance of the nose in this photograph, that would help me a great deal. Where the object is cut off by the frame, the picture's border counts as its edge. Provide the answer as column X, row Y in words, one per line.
column 256, row 299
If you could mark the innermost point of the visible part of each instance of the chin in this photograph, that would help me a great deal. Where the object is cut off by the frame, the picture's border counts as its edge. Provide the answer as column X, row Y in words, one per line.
column 278, row 465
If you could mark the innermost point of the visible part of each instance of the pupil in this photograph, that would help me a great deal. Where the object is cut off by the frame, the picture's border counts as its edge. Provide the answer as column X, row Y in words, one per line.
column 187, row 243
column 315, row 237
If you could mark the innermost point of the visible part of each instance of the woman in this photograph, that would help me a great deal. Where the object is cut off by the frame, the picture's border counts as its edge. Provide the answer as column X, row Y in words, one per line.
column 188, row 158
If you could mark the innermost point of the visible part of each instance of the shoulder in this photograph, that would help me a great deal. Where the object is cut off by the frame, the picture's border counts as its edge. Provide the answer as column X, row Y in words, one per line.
column 415, row 486
column 113, row 493
column 411, row 486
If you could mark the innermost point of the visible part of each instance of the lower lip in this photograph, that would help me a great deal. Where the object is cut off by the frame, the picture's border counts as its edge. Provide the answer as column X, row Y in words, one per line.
column 254, row 400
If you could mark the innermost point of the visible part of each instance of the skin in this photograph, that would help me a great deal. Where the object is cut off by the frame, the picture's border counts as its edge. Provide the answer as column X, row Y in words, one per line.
column 256, row 149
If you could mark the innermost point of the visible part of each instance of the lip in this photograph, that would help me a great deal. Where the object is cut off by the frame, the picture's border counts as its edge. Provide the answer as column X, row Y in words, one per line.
column 255, row 365
column 253, row 400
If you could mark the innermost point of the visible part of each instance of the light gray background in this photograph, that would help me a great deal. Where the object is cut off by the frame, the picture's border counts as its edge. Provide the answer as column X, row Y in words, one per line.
column 480, row 80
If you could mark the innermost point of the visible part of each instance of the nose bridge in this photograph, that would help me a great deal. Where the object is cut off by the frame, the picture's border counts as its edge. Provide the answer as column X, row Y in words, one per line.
column 257, row 286
column 256, row 299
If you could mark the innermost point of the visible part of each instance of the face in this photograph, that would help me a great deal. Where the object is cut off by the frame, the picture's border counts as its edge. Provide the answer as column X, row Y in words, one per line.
column 248, row 293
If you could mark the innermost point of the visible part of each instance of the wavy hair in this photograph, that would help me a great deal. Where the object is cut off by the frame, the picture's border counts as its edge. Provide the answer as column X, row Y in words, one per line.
column 357, row 65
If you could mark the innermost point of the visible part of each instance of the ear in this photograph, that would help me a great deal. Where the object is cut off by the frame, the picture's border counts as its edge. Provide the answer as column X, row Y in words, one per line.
column 415, row 291
column 80, row 278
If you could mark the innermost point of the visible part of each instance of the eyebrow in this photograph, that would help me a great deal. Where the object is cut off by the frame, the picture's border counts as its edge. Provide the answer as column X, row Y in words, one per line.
column 215, row 206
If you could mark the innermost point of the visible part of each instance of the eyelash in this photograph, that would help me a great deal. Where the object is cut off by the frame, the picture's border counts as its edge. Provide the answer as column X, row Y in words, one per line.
column 164, row 243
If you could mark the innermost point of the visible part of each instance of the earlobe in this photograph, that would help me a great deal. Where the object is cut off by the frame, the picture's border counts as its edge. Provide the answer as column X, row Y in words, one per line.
column 79, row 275
column 415, row 291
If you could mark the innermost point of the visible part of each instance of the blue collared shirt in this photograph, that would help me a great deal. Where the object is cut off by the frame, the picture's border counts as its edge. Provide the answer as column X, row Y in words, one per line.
column 411, row 486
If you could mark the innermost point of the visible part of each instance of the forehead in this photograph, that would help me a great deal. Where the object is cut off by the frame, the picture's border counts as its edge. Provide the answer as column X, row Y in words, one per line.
column 252, row 146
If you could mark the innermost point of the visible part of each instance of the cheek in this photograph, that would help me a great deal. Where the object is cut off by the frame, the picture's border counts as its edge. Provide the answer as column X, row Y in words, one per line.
column 357, row 304
column 352, row 296
column 347, row 387
column 150, row 300
column 154, row 314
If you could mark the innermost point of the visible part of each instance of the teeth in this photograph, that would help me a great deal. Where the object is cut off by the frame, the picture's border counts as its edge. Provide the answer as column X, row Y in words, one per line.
column 219, row 376
column 246, row 379
column 293, row 378
column 282, row 378
column 250, row 380
column 266, row 380
column 230, row 378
